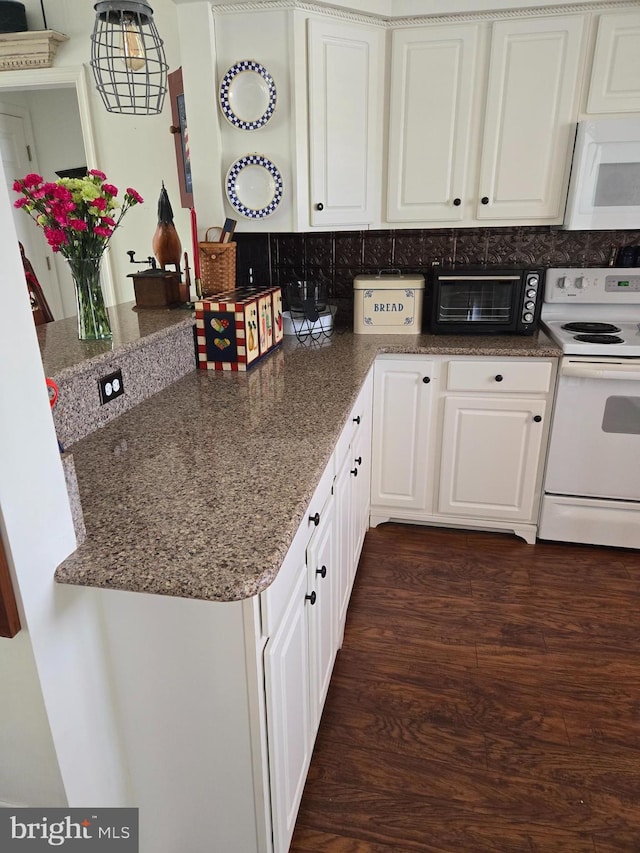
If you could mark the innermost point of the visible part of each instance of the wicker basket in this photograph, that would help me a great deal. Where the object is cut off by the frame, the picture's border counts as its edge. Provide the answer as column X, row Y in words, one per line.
column 217, row 267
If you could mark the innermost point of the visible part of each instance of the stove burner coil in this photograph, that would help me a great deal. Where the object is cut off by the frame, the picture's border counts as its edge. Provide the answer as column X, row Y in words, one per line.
column 598, row 339
column 591, row 328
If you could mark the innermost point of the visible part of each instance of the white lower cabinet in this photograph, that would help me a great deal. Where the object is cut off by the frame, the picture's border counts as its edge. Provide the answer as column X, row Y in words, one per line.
column 303, row 615
column 298, row 662
column 320, row 598
column 287, row 684
column 490, row 457
column 352, row 497
column 403, row 418
column 469, row 450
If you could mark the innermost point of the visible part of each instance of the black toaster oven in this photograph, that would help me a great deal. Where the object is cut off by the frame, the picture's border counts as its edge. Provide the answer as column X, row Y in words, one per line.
column 486, row 300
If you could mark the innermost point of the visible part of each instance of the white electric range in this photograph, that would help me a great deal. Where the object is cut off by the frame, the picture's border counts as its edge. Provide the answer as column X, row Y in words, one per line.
column 592, row 481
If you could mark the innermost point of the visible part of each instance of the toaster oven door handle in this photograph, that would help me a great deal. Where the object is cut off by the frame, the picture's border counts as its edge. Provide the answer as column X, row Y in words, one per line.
column 601, row 370
column 486, row 277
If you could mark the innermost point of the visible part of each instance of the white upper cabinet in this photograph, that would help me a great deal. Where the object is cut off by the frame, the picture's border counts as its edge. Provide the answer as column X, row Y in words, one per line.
column 507, row 161
column 615, row 74
column 530, row 113
column 345, row 76
column 432, row 87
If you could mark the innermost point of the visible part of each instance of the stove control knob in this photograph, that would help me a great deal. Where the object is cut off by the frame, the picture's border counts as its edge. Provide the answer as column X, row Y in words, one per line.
column 530, row 306
column 531, row 294
column 528, row 318
column 562, row 282
column 580, row 282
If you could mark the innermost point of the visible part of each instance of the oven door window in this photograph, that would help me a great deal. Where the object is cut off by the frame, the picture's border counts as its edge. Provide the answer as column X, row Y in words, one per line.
column 476, row 301
column 622, row 415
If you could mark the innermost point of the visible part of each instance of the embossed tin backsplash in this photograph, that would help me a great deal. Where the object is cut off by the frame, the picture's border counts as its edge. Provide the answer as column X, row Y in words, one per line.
column 337, row 257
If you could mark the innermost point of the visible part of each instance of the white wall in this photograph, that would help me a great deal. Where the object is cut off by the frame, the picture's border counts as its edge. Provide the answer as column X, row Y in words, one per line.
column 136, row 151
column 61, row 632
column 29, row 772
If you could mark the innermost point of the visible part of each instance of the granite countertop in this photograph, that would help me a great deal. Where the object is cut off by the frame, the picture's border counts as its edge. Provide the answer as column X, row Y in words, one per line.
column 198, row 491
column 63, row 355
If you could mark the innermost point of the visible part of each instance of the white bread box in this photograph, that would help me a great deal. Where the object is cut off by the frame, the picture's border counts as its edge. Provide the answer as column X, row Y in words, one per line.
column 387, row 304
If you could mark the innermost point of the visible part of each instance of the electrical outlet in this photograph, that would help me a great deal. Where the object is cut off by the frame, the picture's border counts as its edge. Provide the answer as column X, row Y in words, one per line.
column 110, row 387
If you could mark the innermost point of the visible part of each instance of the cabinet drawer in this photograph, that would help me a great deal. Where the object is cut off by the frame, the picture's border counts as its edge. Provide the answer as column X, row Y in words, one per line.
column 499, row 376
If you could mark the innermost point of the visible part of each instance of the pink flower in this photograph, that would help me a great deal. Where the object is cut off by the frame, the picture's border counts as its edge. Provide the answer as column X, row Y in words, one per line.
column 100, row 203
column 21, row 202
column 60, row 192
column 55, row 237
column 98, row 174
column 109, row 188
column 107, row 220
column 78, row 224
column 102, row 232
column 17, row 186
column 32, row 180
column 135, row 196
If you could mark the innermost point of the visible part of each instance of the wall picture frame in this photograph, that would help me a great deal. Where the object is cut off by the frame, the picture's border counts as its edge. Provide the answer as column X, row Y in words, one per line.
column 180, row 131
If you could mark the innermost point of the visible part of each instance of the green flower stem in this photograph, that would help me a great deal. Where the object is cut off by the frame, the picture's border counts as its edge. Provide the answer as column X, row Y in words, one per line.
column 93, row 319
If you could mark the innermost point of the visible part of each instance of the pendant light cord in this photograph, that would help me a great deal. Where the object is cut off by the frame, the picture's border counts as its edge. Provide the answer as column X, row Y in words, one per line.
column 44, row 17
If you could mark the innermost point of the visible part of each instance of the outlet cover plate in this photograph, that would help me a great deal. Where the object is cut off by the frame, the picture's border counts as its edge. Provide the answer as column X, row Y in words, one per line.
column 111, row 387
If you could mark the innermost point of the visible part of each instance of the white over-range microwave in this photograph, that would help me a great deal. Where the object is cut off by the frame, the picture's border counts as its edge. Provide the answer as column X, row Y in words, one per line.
column 604, row 188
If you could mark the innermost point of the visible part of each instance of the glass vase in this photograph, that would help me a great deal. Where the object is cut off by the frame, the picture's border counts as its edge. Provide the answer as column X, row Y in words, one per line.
column 93, row 319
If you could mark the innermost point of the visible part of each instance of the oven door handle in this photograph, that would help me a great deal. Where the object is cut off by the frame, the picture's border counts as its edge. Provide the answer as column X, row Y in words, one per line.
column 582, row 370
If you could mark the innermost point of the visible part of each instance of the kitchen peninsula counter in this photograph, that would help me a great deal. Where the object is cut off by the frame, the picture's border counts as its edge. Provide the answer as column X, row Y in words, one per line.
column 198, row 490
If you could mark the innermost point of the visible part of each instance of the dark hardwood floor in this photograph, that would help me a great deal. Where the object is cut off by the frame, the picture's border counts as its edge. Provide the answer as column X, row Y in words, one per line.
column 486, row 698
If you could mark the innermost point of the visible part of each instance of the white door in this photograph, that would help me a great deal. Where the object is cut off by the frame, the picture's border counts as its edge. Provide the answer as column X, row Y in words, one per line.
column 615, row 74
column 490, row 457
column 345, row 97
column 433, row 79
column 402, row 418
column 361, row 462
column 286, row 667
column 530, row 117
column 16, row 152
column 343, row 495
column 322, row 579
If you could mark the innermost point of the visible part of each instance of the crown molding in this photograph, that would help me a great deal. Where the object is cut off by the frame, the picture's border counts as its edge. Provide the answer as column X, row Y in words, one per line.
column 414, row 20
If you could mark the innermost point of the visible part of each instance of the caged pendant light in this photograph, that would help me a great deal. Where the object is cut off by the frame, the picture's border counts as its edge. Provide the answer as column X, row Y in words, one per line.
column 127, row 58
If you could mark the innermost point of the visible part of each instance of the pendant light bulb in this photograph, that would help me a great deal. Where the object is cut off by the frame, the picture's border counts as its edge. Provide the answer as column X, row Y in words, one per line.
column 132, row 47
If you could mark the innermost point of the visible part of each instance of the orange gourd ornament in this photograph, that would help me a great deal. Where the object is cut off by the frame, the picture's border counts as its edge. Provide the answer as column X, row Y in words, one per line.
column 166, row 243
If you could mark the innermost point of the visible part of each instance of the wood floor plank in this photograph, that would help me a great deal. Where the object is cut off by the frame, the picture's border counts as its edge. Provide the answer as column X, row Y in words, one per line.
column 486, row 698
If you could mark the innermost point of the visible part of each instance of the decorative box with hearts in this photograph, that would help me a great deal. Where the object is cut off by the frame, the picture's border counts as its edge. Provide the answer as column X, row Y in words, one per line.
column 236, row 328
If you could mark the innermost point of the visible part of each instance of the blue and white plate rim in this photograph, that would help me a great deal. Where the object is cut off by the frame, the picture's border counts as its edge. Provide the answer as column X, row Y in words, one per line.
column 230, row 186
column 238, row 68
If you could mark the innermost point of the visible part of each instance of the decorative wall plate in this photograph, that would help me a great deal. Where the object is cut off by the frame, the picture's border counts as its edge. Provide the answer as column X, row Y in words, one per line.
column 247, row 95
column 254, row 186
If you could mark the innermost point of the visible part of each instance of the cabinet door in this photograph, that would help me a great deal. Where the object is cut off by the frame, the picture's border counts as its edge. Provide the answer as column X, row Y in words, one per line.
column 322, row 591
column 361, row 489
column 402, row 401
column 345, row 535
column 433, row 73
column 288, row 722
column 530, row 117
column 345, row 64
column 490, row 457
column 615, row 74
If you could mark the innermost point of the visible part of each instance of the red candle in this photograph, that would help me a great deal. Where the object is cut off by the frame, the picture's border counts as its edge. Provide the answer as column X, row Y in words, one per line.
column 194, row 239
